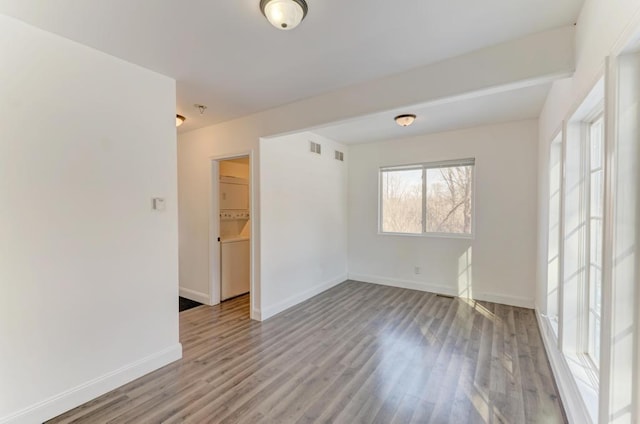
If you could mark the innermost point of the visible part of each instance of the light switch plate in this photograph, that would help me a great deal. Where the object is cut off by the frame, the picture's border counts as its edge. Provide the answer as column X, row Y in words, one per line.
column 159, row 204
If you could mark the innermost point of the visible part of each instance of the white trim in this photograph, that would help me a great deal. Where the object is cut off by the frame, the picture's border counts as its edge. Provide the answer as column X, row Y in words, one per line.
column 448, row 290
column 195, row 295
column 287, row 303
column 462, row 236
column 69, row 399
column 570, row 395
column 596, row 115
column 430, row 165
column 517, row 301
column 256, row 314
column 609, row 229
column 562, row 228
column 404, row 284
column 213, row 215
column 425, row 166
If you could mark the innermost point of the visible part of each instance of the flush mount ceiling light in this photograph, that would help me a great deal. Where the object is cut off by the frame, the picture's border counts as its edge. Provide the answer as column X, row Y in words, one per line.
column 405, row 120
column 179, row 120
column 284, row 14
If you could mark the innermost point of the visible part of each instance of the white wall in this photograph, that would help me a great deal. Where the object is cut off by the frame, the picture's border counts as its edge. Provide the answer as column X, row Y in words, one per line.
column 502, row 254
column 196, row 149
column 88, row 271
column 603, row 29
column 304, row 219
column 238, row 168
column 538, row 57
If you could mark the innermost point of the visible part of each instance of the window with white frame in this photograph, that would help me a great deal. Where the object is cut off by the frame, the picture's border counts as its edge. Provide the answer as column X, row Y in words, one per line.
column 581, row 178
column 595, row 211
column 554, row 255
column 428, row 199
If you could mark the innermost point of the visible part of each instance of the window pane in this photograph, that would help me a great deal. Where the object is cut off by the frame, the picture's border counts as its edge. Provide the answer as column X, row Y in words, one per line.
column 596, row 197
column 553, row 258
column 596, row 138
column 402, row 201
column 594, row 342
column 449, row 199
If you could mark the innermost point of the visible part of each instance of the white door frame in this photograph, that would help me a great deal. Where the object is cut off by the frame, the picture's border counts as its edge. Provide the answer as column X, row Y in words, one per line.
column 214, row 225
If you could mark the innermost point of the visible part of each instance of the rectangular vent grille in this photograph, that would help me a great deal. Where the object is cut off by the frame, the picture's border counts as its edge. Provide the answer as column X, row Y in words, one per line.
column 315, row 148
column 339, row 156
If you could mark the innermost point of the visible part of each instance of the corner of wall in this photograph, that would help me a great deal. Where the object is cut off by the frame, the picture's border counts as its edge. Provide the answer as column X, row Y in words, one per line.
column 301, row 297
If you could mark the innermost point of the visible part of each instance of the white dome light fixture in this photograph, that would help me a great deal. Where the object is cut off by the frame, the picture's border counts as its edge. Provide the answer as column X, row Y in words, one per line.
column 179, row 120
column 405, row 120
column 284, row 14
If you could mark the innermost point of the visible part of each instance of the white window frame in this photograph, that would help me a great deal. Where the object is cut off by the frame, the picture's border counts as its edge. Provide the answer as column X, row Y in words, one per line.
column 424, row 167
column 595, row 116
column 556, row 143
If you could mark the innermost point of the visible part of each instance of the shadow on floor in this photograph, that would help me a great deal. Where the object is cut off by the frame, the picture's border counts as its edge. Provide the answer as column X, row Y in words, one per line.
column 188, row 304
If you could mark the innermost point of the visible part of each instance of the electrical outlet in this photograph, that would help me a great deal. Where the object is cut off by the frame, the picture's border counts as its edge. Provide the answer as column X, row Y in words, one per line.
column 417, row 270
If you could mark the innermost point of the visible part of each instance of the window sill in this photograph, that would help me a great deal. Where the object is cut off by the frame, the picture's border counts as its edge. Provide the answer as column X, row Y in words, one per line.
column 431, row 235
column 574, row 376
column 553, row 324
column 586, row 380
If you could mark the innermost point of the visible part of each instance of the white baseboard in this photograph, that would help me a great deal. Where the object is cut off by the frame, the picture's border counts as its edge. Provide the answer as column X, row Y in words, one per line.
column 256, row 314
column 521, row 302
column 403, row 284
column 570, row 395
column 195, row 296
column 63, row 402
column 287, row 303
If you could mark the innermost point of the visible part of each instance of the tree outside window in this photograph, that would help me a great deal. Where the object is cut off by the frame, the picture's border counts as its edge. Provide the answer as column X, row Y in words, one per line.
column 434, row 198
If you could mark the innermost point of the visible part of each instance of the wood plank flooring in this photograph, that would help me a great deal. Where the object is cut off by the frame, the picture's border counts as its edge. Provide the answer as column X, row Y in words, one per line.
column 358, row 353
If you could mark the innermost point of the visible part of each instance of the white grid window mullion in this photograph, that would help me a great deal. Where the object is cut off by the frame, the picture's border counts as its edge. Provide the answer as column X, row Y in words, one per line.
column 424, row 200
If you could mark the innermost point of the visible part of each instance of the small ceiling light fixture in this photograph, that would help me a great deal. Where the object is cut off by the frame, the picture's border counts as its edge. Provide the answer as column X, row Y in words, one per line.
column 405, row 120
column 179, row 120
column 284, row 14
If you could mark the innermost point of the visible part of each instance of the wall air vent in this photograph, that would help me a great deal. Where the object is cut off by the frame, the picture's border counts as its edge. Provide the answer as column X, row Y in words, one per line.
column 315, row 147
column 339, row 156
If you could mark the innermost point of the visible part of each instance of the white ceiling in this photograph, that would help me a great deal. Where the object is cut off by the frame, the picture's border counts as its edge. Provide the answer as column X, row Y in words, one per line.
column 224, row 54
column 463, row 112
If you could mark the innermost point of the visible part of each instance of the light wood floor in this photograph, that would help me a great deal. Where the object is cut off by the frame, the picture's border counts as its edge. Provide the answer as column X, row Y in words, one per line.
column 358, row 353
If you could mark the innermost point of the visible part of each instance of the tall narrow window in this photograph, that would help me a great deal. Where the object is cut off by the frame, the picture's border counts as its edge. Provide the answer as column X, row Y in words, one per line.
column 449, row 199
column 553, row 259
column 595, row 221
column 429, row 198
column 402, row 201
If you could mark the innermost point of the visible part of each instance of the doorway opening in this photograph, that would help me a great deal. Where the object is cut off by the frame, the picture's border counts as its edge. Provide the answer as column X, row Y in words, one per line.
column 235, row 227
column 231, row 269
